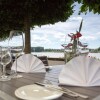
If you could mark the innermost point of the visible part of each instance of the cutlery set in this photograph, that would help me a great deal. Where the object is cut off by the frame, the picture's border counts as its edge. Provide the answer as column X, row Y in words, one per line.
column 63, row 90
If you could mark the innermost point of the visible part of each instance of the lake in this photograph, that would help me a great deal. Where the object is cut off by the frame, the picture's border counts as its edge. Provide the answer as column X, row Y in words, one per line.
column 49, row 54
column 61, row 54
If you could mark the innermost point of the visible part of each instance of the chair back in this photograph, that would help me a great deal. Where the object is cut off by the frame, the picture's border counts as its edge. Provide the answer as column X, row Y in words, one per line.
column 44, row 59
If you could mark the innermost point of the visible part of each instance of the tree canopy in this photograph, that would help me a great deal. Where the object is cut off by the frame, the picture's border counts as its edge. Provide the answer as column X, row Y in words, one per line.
column 25, row 14
column 13, row 13
column 90, row 6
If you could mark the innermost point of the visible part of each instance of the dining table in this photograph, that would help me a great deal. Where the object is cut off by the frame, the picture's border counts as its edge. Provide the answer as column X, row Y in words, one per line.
column 8, row 88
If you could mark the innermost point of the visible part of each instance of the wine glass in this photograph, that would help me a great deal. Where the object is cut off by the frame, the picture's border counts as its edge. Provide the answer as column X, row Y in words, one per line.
column 16, row 43
column 5, row 58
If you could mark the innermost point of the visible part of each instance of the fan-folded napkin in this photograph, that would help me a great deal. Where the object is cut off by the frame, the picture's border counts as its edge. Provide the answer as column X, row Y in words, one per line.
column 29, row 63
column 81, row 71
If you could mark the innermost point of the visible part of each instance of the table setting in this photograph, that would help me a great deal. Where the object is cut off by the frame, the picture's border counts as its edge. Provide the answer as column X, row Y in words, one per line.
column 28, row 79
column 36, row 90
column 35, row 82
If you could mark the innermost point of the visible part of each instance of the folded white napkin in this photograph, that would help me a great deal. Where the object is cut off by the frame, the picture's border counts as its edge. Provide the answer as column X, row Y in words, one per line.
column 29, row 63
column 81, row 71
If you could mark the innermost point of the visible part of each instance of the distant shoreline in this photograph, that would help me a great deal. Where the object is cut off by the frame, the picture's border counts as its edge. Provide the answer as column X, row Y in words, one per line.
column 57, row 55
column 60, row 55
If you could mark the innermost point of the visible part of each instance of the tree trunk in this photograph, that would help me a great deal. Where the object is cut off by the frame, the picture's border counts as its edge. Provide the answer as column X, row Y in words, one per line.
column 27, row 35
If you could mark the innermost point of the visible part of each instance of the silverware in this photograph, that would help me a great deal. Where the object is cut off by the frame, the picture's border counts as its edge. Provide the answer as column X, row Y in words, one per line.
column 78, row 94
column 63, row 90
column 57, row 88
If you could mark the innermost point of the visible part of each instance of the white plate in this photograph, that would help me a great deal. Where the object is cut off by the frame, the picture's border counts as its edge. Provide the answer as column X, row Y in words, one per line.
column 35, row 92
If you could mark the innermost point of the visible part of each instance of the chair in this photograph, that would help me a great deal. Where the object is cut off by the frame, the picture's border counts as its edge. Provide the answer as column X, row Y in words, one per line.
column 29, row 63
column 13, row 57
column 44, row 59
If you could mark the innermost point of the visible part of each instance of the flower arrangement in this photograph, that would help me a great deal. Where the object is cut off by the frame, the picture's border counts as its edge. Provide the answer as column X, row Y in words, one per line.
column 74, row 44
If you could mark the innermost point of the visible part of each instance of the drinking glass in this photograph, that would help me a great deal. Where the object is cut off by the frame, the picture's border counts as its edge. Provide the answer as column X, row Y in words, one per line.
column 5, row 58
column 16, row 43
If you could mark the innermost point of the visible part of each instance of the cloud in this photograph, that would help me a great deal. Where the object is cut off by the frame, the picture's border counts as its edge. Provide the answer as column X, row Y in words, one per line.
column 55, row 35
column 75, row 18
column 37, row 40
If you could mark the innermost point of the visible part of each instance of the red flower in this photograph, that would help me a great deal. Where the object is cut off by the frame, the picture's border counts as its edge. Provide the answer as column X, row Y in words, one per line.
column 75, row 36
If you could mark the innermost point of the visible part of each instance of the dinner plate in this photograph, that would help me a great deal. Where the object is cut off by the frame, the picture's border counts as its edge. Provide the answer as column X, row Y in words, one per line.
column 36, row 92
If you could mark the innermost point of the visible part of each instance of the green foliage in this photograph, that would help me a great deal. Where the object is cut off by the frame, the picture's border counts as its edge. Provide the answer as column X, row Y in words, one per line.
column 3, row 34
column 97, row 50
column 90, row 5
column 38, row 12
column 53, row 50
column 37, row 49
column 68, row 56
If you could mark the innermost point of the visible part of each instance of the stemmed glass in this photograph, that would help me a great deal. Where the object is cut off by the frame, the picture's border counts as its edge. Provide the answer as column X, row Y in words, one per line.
column 16, row 43
column 5, row 58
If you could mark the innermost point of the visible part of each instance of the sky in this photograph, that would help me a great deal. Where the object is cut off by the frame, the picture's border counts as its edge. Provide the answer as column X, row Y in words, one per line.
column 53, row 36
